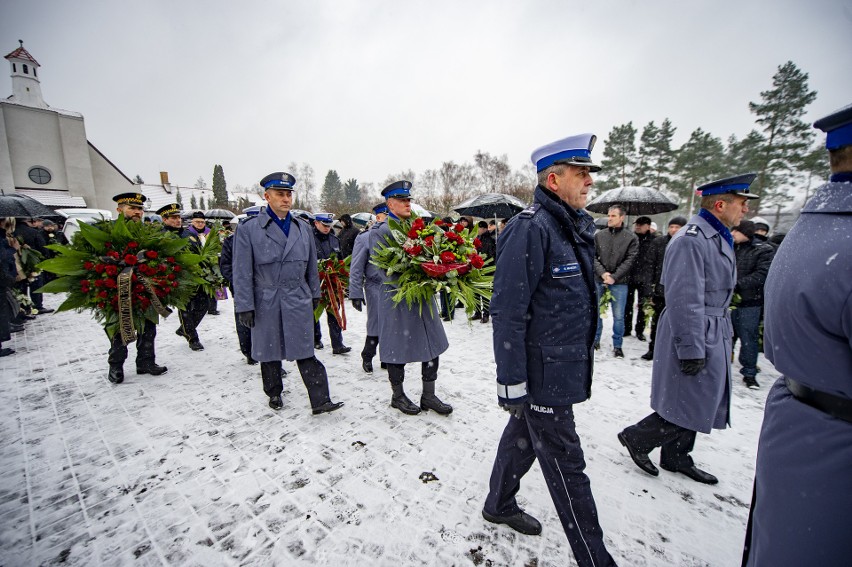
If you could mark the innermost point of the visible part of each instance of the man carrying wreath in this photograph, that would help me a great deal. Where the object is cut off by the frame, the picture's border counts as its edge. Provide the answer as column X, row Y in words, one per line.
column 130, row 205
column 407, row 333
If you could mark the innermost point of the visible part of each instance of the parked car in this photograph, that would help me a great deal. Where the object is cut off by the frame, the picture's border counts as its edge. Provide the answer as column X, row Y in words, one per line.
column 75, row 216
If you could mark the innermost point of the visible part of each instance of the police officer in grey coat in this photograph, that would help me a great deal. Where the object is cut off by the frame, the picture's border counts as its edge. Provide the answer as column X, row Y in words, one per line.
column 802, row 504
column 276, row 285
column 544, row 311
column 691, row 378
column 407, row 334
column 365, row 281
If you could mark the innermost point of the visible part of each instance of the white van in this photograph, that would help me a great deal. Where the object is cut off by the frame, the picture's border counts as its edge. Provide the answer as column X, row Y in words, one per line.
column 76, row 216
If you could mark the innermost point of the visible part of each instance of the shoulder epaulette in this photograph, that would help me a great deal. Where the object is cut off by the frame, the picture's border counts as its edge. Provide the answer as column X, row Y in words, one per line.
column 692, row 230
column 530, row 211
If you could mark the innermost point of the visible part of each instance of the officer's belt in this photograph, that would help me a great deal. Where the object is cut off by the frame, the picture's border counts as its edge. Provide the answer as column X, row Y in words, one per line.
column 288, row 283
column 835, row 406
column 715, row 311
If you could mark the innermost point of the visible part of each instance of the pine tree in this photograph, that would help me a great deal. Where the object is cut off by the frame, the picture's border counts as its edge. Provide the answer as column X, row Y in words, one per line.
column 331, row 196
column 351, row 195
column 179, row 198
column 788, row 137
column 746, row 155
column 220, row 187
column 700, row 160
column 201, row 204
column 620, row 159
column 656, row 156
column 193, row 204
column 138, row 180
column 815, row 168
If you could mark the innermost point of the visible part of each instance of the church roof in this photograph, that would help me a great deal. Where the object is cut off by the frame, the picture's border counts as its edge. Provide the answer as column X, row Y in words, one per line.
column 22, row 53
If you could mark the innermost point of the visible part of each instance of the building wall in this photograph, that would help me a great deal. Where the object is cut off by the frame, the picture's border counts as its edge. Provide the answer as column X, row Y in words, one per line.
column 108, row 181
column 7, row 181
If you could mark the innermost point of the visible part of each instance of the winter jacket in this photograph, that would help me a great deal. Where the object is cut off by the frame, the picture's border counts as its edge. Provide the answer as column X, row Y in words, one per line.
column 489, row 244
column 753, row 261
column 327, row 244
column 615, row 252
column 657, row 255
column 347, row 238
column 642, row 273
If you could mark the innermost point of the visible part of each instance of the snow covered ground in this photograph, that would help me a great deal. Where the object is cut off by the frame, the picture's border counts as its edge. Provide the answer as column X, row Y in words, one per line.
column 192, row 467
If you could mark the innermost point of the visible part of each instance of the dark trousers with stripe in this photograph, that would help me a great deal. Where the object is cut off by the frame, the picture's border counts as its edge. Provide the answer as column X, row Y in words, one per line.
column 552, row 439
column 144, row 347
column 675, row 442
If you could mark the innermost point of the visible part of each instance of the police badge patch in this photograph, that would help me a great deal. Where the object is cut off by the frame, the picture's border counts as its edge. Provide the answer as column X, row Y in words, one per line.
column 692, row 229
column 565, row 270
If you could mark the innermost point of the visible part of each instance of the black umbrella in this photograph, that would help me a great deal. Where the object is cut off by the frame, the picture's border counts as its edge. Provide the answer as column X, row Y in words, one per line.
column 635, row 200
column 17, row 205
column 490, row 205
column 219, row 214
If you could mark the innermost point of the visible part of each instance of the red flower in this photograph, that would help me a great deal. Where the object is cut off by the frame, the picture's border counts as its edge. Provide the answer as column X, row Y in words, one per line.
column 477, row 243
column 88, row 265
column 171, row 277
column 107, row 244
column 176, row 268
column 439, row 222
column 132, row 244
column 111, row 270
column 459, row 227
column 84, row 288
column 429, row 241
column 170, row 259
column 100, row 268
column 85, row 282
column 139, row 288
column 110, row 283
column 113, row 254
column 133, row 277
column 418, row 224
column 174, row 284
column 103, row 294
column 162, row 267
column 99, row 283
column 413, row 233
column 151, row 254
column 447, row 257
column 476, row 261
column 101, row 305
column 130, row 259
column 414, row 250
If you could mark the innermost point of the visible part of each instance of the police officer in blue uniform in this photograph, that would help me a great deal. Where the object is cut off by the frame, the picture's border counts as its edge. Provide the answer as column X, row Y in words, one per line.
column 131, row 206
column 365, row 281
column 328, row 244
column 276, row 286
column 802, row 504
column 691, row 378
column 544, row 311
column 407, row 333
column 226, row 267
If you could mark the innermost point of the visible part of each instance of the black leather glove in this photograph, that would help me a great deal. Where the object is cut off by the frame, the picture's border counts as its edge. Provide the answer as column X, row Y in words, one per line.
column 692, row 366
column 516, row 410
column 316, row 303
column 358, row 304
column 246, row 318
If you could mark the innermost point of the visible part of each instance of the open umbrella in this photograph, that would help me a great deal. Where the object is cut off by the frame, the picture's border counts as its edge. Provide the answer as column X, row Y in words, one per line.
column 423, row 212
column 17, row 205
column 635, row 200
column 490, row 205
column 219, row 214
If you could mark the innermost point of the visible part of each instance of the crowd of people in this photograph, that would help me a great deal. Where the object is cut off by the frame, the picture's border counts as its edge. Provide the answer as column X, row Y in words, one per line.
column 709, row 281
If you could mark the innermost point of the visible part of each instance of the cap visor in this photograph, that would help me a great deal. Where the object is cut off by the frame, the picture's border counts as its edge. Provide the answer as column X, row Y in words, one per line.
column 746, row 195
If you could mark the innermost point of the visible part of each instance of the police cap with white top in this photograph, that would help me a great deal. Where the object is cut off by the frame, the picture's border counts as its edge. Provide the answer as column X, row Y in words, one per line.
column 397, row 190
column 838, row 128
column 324, row 218
column 278, row 180
column 737, row 185
column 574, row 150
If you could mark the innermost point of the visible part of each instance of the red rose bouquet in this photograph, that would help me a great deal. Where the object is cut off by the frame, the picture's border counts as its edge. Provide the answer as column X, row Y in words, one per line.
column 334, row 280
column 124, row 272
column 430, row 258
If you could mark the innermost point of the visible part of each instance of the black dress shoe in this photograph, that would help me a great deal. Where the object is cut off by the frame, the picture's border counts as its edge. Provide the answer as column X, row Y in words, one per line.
column 520, row 522
column 618, row 353
column 640, row 337
column 152, row 369
column 485, row 318
column 383, row 366
column 43, row 310
column 116, row 374
column 276, row 403
column 648, row 355
column 476, row 317
column 327, row 407
column 13, row 328
column 212, row 312
column 318, row 345
column 196, row 345
column 694, row 473
column 403, row 404
column 367, row 365
column 6, row 351
column 597, row 346
column 179, row 332
column 342, row 350
column 435, row 404
column 751, row 382
column 250, row 361
column 641, row 459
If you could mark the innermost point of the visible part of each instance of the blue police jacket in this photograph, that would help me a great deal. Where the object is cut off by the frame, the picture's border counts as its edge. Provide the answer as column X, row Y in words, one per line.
column 544, row 308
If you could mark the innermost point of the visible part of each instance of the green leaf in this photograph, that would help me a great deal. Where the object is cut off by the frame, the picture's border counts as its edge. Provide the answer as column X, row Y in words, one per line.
column 93, row 235
column 63, row 266
column 59, row 285
column 74, row 301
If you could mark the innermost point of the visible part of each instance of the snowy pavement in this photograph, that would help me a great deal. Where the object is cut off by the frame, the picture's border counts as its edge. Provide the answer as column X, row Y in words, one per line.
column 192, row 468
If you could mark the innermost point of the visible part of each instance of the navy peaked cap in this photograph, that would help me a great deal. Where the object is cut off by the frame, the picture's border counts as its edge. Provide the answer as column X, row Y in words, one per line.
column 738, row 185
column 574, row 150
column 278, row 180
column 324, row 218
column 381, row 208
column 397, row 190
column 838, row 128
column 252, row 211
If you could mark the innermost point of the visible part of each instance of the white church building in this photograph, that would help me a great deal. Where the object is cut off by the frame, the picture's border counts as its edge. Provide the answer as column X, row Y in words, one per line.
column 44, row 152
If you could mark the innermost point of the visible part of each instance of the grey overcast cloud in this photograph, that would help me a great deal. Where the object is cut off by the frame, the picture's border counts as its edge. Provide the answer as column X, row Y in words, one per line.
column 370, row 88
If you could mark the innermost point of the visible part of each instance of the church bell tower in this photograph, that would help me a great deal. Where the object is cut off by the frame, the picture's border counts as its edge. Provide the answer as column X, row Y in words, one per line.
column 26, row 88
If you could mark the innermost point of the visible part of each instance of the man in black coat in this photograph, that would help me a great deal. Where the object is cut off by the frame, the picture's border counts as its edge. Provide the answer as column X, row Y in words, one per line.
column 641, row 278
column 753, row 261
column 656, row 255
column 328, row 244
column 347, row 236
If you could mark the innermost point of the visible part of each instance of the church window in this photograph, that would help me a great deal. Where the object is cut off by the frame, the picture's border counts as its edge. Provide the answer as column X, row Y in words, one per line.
column 26, row 70
column 40, row 175
column 14, row 68
column 35, row 74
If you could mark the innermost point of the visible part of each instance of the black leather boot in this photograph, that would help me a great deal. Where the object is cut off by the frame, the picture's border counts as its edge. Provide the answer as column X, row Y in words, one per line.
column 151, row 368
column 401, row 402
column 116, row 373
column 429, row 401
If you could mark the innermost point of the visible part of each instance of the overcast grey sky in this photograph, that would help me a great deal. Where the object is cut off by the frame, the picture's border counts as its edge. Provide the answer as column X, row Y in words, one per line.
column 374, row 87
